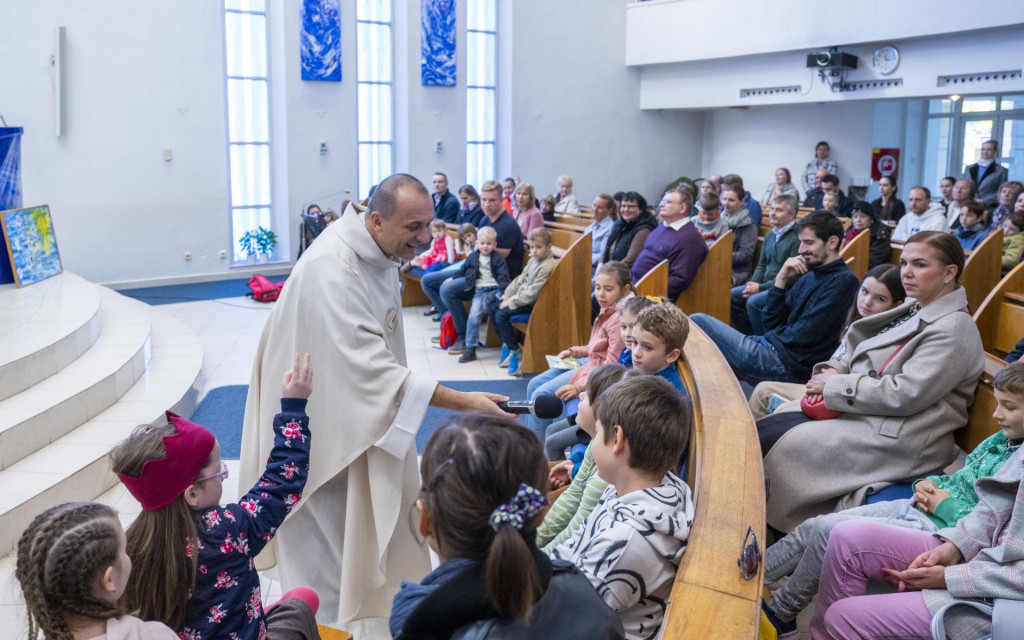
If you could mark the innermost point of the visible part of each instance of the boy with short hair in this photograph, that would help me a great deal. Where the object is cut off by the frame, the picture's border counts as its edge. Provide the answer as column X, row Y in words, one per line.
column 709, row 220
column 972, row 229
column 520, row 296
column 938, row 502
column 659, row 335
column 629, row 546
column 486, row 274
column 1013, row 240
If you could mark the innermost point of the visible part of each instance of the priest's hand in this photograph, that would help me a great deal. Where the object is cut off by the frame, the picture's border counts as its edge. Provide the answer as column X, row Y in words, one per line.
column 298, row 383
column 447, row 398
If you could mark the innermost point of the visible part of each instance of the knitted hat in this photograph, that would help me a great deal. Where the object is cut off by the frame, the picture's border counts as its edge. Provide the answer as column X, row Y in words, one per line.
column 864, row 207
column 163, row 480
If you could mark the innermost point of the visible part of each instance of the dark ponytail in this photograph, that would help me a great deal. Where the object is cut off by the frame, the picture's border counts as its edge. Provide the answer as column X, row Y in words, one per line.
column 470, row 467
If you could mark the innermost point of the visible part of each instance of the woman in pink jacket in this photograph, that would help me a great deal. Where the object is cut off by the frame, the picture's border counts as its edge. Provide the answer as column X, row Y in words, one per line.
column 525, row 211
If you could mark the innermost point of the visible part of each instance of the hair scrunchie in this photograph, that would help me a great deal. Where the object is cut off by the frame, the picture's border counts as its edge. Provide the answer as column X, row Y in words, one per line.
column 527, row 503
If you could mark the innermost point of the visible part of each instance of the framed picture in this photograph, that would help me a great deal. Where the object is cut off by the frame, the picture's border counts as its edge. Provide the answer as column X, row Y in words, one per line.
column 31, row 244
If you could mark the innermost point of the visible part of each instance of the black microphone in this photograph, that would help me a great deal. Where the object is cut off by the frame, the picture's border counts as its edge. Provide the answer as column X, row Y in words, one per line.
column 547, row 406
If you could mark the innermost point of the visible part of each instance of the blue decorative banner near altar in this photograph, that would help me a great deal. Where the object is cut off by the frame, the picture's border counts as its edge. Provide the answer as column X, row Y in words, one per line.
column 10, row 188
column 437, row 42
column 321, row 40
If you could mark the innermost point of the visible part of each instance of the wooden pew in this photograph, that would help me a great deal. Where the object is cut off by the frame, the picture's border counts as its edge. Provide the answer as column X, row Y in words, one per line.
column 896, row 250
column 654, row 282
column 564, row 239
column 412, row 292
column 709, row 599
column 1000, row 318
column 858, row 250
column 709, row 291
column 980, row 424
column 561, row 315
column 983, row 269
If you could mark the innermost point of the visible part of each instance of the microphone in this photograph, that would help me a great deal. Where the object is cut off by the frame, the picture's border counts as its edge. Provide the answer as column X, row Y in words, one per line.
column 546, row 407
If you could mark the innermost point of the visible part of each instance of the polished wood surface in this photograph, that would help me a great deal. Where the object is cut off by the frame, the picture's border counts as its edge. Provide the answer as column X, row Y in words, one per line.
column 858, row 249
column 654, row 282
column 561, row 315
column 1000, row 318
column 412, row 292
column 980, row 423
column 564, row 239
column 983, row 269
column 709, row 599
column 709, row 291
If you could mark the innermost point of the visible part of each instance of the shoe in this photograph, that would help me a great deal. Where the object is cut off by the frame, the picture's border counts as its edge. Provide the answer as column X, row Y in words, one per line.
column 506, row 353
column 436, row 339
column 784, row 630
column 458, row 347
column 432, row 311
column 515, row 363
column 468, row 355
column 437, row 317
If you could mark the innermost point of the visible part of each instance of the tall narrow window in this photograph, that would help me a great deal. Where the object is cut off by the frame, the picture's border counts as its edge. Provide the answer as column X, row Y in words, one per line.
column 374, row 80
column 481, row 83
column 245, row 31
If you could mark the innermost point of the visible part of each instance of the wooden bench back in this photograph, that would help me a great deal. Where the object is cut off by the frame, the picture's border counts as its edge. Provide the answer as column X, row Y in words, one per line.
column 564, row 239
column 709, row 291
column 709, row 599
column 561, row 316
column 1000, row 318
column 983, row 269
column 980, row 423
column 858, row 249
column 654, row 282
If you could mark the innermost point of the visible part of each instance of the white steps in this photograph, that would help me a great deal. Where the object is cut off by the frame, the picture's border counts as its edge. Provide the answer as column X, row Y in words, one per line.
column 56, row 433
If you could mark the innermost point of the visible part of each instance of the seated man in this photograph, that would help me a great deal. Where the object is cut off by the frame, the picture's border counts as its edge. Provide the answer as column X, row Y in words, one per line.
column 780, row 244
column 830, row 183
column 751, row 204
column 812, row 195
column 675, row 240
column 446, row 206
column 802, row 325
column 924, row 215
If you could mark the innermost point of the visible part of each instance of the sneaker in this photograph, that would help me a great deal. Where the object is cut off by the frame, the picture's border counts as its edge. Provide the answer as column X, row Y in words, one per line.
column 437, row 317
column 432, row 311
column 515, row 363
column 506, row 353
column 436, row 339
column 458, row 347
column 784, row 630
column 468, row 355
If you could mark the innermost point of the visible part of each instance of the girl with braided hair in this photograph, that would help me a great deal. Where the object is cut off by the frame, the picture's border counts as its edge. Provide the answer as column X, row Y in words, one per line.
column 73, row 568
column 481, row 501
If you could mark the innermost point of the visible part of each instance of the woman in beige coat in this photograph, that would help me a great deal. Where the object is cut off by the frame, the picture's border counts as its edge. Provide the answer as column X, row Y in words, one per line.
column 898, row 422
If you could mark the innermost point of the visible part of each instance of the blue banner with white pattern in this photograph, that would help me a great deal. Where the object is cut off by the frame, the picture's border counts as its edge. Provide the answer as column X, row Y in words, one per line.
column 437, row 43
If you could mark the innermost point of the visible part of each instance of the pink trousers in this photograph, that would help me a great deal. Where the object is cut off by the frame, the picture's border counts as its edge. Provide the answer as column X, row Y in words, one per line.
column 857, row 551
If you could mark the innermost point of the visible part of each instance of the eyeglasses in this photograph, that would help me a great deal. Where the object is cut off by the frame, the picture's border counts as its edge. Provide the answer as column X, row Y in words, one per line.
column 750, row 556
column 222, row 474
column 629, row 205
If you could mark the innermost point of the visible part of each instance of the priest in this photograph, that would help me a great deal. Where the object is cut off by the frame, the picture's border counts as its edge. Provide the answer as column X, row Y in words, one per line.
column 350, row 536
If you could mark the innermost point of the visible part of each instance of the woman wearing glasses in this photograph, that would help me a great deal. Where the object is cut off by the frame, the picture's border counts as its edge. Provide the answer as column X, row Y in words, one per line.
column 635, row 223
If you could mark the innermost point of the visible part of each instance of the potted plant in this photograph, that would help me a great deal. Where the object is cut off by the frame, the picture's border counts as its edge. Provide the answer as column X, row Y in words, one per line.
column 266, row 240
column 248, row 244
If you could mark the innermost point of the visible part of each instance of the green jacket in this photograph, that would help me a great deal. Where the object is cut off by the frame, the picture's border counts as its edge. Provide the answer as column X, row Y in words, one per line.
column 525, row 288
column 773, row 254
column 573, row 506
column 986, row 459
column 1013, row 246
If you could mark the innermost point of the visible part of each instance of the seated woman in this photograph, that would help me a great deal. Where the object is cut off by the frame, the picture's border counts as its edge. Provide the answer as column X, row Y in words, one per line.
column 889, row 207
column 902, row 381
column 526, row 212
column 865, row 218
column 484, row 479
column 880, row 290
column 566, row 201
column 783, row 185
column 744, row 231
column 635, row 223
column 470, row 211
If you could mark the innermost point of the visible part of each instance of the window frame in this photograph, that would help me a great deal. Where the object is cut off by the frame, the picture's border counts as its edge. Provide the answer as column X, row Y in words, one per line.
column 364, row 181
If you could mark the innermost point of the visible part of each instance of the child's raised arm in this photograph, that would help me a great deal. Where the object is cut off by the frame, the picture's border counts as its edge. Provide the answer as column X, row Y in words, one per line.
column 298, row 383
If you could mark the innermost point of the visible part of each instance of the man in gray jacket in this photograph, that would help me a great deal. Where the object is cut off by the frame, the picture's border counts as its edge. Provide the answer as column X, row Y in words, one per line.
column 988, row 174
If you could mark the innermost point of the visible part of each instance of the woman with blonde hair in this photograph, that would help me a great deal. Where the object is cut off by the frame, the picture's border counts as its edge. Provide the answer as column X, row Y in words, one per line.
column 566, row 201
column 525, row 209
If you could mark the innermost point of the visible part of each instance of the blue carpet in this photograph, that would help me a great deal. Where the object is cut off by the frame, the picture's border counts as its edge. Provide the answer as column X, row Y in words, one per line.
column 222, row 411
column 170, row 294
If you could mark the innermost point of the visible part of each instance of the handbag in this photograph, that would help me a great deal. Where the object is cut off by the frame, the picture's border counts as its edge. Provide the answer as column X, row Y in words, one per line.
column 816, row 409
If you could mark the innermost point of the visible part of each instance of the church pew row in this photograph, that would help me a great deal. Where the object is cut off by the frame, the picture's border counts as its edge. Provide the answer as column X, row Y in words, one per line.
column 1000, row 318
column 561, row 315
column 709, row 291
column 858, row 249
column 709, row 598
column 412, row 293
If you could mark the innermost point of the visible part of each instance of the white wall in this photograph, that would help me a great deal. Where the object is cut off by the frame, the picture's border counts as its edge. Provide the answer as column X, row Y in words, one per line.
column 575, row 107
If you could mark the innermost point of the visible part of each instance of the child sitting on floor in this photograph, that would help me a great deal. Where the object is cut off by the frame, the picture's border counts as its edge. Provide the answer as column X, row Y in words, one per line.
column 483, row 482
column 630, row 545
column 658, row 337
column 1013, row 240
column 979, row 557
column 194, row 558
column 939, row 501
column 441, row 252
column 73, row 568
column 486, row 273
column 519, row 298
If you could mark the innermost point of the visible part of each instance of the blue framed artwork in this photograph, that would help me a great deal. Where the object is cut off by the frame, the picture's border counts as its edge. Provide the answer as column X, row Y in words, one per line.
column 31, row 244
column 321, row 40
column 437, row 43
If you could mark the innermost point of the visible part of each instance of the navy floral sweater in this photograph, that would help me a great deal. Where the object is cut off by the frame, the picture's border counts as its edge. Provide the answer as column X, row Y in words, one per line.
column 227, row 602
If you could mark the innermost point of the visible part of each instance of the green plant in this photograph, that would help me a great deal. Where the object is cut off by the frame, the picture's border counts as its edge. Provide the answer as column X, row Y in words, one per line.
column 247, row 243
column 265, row 239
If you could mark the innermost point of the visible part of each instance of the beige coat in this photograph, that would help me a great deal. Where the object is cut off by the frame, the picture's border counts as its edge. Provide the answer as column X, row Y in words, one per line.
column 894, row 426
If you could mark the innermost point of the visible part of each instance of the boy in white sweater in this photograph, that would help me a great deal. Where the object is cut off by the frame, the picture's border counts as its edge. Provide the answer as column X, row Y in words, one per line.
column 629, row 546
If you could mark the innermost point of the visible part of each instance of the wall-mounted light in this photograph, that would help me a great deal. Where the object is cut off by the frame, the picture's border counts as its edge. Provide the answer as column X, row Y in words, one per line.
column 954, row 97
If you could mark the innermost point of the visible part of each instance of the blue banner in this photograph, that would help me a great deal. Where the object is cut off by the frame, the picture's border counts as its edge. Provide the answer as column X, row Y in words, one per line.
column 437, row 43
column 321, row 40
column 10, row 188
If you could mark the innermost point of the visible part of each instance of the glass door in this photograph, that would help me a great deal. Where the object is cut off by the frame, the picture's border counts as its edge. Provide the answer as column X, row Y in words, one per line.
column 1011, row 146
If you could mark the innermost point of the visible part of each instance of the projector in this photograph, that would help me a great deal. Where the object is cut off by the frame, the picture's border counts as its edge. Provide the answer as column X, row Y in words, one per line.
column 831, row 60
